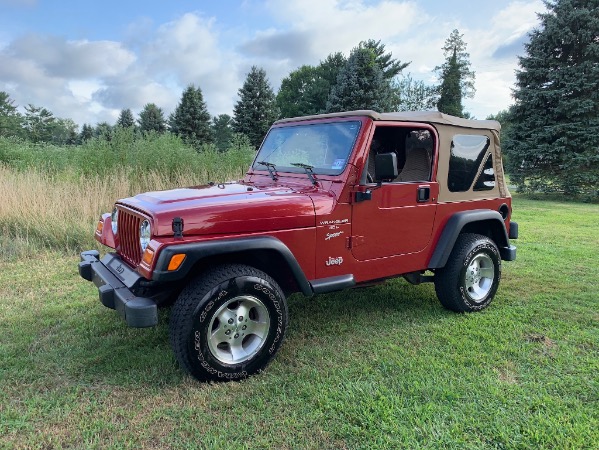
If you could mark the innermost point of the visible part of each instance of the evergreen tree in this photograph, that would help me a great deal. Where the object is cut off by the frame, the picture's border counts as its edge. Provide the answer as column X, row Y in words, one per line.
column 191, row 119
column 256, row 109
column 554, row 137
column 126, row 119
column 456, row 76
column 87, row 132
column 103, row 131
column 391, row 67
column 151, row 118
column 10, row 119
column 450, row 99
column 361, row 84
column 222, row 131
column 38, row 123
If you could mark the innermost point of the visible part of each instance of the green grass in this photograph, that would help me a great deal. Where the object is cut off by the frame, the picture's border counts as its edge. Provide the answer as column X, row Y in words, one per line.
column 384, row 367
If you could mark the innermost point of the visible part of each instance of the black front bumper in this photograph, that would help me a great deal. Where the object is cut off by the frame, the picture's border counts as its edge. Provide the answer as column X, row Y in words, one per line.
column 114, row 280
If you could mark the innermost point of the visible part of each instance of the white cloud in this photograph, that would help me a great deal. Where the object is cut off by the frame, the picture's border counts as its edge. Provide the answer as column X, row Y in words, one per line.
column 91, row 81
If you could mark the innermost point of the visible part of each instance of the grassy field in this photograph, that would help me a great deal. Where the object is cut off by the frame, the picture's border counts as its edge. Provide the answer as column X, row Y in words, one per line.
column 384, row 367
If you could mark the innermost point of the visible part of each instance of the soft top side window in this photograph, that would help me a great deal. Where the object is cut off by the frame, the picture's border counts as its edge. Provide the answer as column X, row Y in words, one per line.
column 413, row 147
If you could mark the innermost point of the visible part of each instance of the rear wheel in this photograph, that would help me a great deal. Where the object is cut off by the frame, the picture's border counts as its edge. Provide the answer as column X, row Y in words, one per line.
column 228, row 323
column 470, row 279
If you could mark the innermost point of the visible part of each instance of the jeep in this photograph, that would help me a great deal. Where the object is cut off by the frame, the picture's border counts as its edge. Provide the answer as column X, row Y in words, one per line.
column 331, row 202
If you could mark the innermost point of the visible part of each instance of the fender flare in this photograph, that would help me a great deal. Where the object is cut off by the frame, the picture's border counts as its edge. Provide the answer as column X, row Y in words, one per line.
column 197, row 251
column 453, row 228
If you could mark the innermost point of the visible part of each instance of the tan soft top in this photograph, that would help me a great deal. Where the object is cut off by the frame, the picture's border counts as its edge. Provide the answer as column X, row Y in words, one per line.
column 407, row 116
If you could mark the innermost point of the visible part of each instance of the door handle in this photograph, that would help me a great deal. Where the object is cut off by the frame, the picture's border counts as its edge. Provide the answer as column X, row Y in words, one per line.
column 423, row 194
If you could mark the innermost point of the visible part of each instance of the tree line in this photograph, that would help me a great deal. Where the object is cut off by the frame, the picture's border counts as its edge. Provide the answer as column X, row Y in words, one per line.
column 369, row 78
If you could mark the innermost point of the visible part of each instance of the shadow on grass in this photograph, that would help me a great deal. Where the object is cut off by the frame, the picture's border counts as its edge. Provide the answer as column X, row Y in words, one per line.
column 101, row 348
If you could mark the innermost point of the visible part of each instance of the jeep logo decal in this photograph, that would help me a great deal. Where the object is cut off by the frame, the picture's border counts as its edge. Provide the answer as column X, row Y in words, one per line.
column 334, row 261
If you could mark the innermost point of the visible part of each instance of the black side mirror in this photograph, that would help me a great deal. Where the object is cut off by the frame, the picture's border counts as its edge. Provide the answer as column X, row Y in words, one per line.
column 385, row 166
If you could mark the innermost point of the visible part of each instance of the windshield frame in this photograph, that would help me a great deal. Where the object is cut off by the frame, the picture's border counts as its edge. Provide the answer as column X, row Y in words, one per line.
column 333, row 170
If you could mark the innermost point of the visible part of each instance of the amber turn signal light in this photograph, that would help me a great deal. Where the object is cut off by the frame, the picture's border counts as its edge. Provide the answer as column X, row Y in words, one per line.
column 176, row 261
column 100, row 227
column 148, row 256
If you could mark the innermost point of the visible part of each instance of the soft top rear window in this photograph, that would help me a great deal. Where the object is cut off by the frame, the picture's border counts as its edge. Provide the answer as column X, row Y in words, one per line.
column 467, row 153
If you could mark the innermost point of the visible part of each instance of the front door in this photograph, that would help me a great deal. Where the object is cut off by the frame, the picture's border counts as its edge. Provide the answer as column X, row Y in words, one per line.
column 399, row 216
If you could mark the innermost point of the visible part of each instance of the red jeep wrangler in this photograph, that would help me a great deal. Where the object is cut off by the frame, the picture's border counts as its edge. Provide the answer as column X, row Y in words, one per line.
column 331, row 202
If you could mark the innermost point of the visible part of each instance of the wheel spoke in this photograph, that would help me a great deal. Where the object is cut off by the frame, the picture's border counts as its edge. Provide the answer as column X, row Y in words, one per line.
column 225, row 315
column 479, row 293
column 258, row 328
column 244, row 309
column 237, row 352
column 487, row 272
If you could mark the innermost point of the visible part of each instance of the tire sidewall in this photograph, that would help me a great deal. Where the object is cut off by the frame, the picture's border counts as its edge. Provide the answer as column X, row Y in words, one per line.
column 479, row 247
column 202, row 360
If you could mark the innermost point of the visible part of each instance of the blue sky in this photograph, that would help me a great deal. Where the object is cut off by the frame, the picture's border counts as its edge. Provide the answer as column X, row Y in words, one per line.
column 87, row 59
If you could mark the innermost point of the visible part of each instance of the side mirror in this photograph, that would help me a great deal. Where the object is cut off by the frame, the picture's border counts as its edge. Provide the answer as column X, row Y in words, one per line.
column 385, row 166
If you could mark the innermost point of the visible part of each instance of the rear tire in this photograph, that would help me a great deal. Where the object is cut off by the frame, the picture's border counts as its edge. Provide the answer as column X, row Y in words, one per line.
column 228, row 323
column 470, row 279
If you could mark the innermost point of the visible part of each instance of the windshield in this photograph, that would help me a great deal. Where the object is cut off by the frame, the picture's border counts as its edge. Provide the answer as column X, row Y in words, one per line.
column 323, row 146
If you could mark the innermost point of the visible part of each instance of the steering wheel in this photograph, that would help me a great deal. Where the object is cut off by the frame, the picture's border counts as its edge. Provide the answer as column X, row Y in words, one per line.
column 369, row 177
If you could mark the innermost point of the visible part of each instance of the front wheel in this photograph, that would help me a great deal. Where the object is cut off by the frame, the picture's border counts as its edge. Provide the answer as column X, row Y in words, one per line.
column 470, row 279
column 228, row 323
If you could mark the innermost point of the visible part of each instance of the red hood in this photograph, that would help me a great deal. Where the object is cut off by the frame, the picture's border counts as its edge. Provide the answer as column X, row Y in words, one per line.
column 228, row 208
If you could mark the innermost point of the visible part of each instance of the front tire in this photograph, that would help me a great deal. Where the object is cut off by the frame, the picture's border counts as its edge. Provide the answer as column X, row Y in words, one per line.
column 228, row 323
column 470, row 279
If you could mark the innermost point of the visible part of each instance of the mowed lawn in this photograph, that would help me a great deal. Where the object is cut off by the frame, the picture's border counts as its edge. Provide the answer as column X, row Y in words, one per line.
column 383, row 367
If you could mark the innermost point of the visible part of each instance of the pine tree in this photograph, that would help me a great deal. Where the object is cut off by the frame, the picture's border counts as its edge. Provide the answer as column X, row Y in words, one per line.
column 391, row 67
column 151, row 118
column 554, row 137
column 125, row 119
column 256, row 109
column 38, row 123
column 450, row 99
column 87, row 132
column 191, row 119
column 456, row 76
column 103, row 131
column 10, row 119
column 222, row 131
column 361, row 84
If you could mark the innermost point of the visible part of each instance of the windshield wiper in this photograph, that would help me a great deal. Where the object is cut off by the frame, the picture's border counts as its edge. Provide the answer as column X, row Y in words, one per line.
column 308, row 168
column 271, row 169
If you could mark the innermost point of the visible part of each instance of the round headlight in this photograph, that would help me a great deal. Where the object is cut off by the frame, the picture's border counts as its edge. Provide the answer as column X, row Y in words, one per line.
column 114, row 220
column 144, row 235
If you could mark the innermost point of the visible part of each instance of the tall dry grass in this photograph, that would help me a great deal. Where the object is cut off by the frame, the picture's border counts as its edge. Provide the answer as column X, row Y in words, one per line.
column 41, row 211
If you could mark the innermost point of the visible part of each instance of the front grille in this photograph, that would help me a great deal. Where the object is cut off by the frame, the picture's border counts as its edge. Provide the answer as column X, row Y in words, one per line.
column 128, row 235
